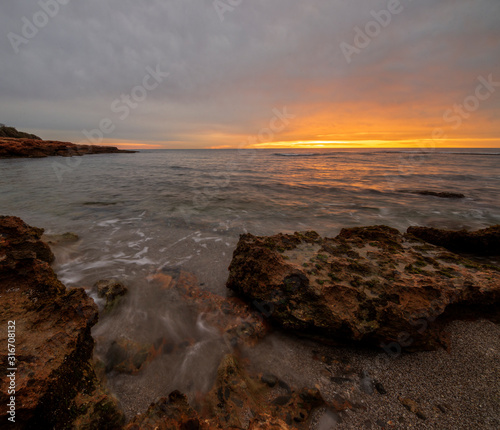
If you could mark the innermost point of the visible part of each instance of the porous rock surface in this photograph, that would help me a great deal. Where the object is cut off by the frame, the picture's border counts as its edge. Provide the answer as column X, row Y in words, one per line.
column 56, row 386
column 369, row 284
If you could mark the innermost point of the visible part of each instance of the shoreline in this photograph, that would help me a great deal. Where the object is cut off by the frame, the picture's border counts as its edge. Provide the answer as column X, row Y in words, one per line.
column 352, row 387
column 14, row 148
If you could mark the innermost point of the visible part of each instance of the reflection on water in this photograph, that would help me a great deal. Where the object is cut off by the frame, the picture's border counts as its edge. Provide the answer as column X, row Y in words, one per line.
column 138, row 214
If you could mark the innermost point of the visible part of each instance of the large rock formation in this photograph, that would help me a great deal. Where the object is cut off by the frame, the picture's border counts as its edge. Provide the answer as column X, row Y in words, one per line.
column 34, row 148
column 51, row 351
column 370, row 284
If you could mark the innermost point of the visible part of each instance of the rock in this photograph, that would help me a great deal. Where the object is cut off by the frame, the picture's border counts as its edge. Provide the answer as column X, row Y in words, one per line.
column 13, row 133
column 412, row 406
column 480, row 242
column 237, row 322
column 237, row 401
column 442, row 194
column 369, row 284
column 112, row 291
column 241, row 401
column 380, row 388
column 127, row 356
column 19, row 241
column 173, row 412
column 35, row 148
column 55, row 379
column 56, row 239
column 269, row 380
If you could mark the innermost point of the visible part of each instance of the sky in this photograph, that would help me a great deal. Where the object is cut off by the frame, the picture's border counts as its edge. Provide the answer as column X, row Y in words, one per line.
column 253, row 73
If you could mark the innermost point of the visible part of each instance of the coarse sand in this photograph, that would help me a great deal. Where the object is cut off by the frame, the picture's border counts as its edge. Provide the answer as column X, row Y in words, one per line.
column 457, row 389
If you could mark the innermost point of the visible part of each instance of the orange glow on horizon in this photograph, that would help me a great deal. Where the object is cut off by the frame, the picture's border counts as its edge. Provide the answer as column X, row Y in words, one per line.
column 403, row 143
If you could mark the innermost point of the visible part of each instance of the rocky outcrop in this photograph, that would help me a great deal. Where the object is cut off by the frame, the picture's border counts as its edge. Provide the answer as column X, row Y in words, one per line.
column 237, row 401
column 34, row 148
column 12, row 132
column 481, row 242
column 241, row 401
column 55, row 382
column 441, row 194
column 371, row 285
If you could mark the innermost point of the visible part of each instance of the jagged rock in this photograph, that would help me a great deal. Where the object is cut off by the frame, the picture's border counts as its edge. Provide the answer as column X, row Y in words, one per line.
column 442, row 194
column 112, row 291
column 20, row 242
column 480, row 242
column 34, row 148
column 55, row 380
column 237, row 321
column 370, row 284
column 237, row 401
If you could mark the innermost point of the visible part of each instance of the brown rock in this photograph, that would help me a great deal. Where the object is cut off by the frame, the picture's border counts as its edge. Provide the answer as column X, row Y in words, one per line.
column 241, row 401
column 112, row 291
column 35, row 148
column 19, row 241
column 369, row 284
column 412, row 406
column 480, row 242
column 237, row 401
column 55, row 379
column 237, row 321
column 126, row 356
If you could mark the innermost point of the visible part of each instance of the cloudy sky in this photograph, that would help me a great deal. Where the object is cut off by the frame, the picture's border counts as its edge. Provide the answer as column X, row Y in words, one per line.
column 262, row 73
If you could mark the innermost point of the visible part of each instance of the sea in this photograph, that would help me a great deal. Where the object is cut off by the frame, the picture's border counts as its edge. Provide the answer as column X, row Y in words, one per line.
column 137, row 214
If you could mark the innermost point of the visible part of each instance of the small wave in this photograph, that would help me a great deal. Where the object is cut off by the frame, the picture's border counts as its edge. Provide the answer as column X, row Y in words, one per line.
column 100, row 203
column 294, row 154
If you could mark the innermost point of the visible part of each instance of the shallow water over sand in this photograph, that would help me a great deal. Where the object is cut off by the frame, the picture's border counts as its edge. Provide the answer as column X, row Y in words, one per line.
column 137, row 214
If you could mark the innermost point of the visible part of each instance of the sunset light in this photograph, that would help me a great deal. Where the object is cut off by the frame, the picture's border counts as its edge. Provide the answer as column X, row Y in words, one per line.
column 250, row 214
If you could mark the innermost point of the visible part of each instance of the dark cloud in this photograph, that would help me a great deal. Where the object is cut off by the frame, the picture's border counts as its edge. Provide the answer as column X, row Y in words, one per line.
column 225, row 77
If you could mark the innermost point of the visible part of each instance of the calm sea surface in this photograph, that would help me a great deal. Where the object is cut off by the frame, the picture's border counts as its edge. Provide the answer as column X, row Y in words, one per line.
column 141, row 212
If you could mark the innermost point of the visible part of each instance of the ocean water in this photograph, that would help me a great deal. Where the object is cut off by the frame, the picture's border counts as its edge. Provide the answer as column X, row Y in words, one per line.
column 138, row 213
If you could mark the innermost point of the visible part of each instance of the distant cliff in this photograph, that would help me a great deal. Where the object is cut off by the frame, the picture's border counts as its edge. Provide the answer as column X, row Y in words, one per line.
column 35, row 148
column 12, row 132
